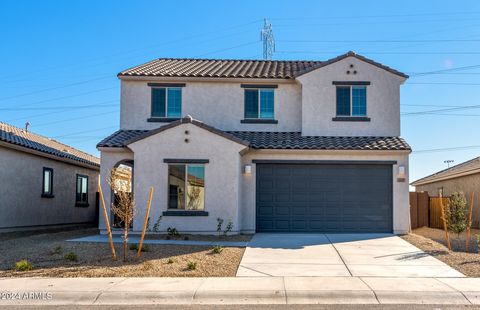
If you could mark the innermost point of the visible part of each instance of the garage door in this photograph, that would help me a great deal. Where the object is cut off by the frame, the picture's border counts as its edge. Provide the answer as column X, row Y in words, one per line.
column 324, row 198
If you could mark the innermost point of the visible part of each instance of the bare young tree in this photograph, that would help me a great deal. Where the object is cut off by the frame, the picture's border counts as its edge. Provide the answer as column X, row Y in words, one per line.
column 123, row 207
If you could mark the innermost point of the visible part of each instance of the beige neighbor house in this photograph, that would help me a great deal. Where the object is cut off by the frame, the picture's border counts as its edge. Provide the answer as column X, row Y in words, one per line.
column 44, row 183
column 272, row 146
column 464, row 177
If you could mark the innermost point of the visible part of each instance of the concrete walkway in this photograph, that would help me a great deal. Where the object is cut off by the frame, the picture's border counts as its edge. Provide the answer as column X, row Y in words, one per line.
column 246, row 290
column 344, row 255
column 136, row 239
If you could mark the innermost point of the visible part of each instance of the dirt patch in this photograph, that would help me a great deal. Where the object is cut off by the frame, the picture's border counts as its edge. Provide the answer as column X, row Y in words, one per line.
column 47, row 254
column 232, row 238
column 432, row 241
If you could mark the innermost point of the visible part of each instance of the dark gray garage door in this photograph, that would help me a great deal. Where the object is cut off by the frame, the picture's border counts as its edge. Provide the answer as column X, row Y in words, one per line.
column 324, row 198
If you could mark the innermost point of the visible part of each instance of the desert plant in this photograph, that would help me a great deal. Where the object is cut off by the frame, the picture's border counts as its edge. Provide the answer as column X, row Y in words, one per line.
column 173, row 232
column 228, row 228
column 192, row 265
column 456, row 214
column 71, row 256
column 124, row 206
column 217, row 249
column 219, row 225
column 134, row 247
column 170, row 261
column 156, row 226
column 57, row 250
column 23, row 265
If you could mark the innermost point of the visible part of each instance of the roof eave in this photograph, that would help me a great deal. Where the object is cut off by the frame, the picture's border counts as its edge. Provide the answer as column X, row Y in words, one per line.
column 422, row 181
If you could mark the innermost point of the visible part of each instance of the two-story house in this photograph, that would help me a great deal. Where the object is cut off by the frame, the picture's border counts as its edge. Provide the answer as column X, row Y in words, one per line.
column 273, row 146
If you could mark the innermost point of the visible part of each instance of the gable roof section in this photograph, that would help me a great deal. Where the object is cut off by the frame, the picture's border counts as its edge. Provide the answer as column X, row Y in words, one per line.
column 29, row 140
column 280, row 141
column 186, row 120
column 237, row 68
column 469, row 167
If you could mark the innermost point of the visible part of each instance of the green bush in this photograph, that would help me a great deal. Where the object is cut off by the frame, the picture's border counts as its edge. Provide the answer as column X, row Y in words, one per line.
column 170, row 261
column 71, row 256
column 173, row 232
column 57, row 250
column 456, row 213
column 23, row 265
column 134, row 247
column 217, row 249
column 192, row 265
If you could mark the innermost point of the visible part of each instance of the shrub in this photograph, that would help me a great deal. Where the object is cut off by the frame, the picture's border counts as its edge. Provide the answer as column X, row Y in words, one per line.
column 170, row 261
column 134, row 247
column 192, row 265
column 23, row 265
column 71, row 256
column 156, row 226
column 173, row 232
column 228, row 228
column 456, row 213
column 217, row 249
column 219, row 225
column 57, row 250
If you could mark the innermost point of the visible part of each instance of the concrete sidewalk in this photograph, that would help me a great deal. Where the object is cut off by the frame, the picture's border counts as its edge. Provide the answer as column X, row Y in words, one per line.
column 245, row 290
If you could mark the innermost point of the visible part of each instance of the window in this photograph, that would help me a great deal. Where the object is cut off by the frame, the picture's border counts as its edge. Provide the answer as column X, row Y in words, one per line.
column 47, row 183
column 259, row 103
column 167, row 102
column 82, row 190
column 186, row 187
column 351, row 101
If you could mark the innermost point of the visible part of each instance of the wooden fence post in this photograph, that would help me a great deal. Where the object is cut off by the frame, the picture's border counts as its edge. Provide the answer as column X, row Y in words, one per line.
column 445, row 223
column 467, row 240
column 105, row 216
column 145, row 222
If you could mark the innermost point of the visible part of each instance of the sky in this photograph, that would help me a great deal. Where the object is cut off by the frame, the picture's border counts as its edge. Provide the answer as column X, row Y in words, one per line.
column 59, row 59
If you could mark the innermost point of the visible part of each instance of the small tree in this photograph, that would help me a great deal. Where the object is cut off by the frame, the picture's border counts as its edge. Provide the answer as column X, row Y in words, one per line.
column 124, row 204
column 456, row 214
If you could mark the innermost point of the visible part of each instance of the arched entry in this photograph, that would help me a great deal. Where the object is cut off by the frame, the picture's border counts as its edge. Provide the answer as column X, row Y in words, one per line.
column 124, row 172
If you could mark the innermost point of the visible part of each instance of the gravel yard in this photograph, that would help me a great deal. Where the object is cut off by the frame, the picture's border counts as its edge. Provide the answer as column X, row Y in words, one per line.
column 432, row 241
column 47, row 253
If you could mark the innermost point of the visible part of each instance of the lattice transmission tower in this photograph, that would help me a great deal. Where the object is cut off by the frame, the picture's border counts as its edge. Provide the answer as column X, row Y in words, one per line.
column 266, row 35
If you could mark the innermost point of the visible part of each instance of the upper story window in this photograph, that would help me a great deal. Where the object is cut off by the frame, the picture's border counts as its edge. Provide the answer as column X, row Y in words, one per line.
column 47, row 183
column 351, row 100
column 259, row 103
column 167, row 102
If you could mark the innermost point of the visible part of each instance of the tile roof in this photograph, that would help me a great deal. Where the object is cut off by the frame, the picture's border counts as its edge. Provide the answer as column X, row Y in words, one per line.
column 236, row 68
column 283, row 140
column 17, row 136
column 470, row 166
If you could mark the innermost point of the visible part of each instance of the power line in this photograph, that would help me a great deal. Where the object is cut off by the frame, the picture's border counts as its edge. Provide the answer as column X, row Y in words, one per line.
column 75, row 119
column 55, row 88
column 381, row 41
column 442, row 83
column 228, row 48
column 83, row 131
column 468, row 147
column 66, row 108
column 446, row 70
column 444, row 110
column 383, row 52
column 378, row 16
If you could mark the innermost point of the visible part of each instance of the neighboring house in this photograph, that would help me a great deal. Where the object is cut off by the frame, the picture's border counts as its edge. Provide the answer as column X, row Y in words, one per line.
column 464, row 177
column 273, row 146
column 44, row 182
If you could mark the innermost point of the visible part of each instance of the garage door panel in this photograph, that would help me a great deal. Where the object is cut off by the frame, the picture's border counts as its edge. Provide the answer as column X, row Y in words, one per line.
column 324, row 198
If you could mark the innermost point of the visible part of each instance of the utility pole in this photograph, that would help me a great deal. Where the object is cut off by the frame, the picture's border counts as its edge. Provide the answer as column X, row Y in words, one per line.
column 448, row 162
column 266, row 35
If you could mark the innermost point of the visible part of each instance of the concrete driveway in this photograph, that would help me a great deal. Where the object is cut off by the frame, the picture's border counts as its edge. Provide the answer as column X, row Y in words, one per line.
column 327, row 255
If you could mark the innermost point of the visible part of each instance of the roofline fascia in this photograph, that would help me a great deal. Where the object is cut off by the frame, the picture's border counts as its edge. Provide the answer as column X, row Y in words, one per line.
column 447, row 177
column 124, row 149
column 335, row 152
column 206, row 79
column 49, row 156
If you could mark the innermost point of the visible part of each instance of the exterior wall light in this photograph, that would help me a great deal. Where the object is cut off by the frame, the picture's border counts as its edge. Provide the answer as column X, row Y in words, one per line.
column 401, row 174
column 247, row 169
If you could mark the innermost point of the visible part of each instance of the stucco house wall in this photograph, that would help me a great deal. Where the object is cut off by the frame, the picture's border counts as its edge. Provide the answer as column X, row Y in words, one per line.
column 219, row 104
column 466, row 184
column 222, row 177
column 319, row 100
column 21, row 203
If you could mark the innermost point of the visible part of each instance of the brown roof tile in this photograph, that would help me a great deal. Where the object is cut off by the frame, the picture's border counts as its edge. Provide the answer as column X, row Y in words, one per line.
column 17, row 136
